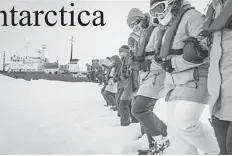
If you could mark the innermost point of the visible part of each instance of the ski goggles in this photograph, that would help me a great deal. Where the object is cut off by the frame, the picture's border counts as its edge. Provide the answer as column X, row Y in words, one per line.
column 159, row 8
column 134, row 23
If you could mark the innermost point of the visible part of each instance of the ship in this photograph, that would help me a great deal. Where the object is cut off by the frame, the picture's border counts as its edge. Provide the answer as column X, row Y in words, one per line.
column 38, row 67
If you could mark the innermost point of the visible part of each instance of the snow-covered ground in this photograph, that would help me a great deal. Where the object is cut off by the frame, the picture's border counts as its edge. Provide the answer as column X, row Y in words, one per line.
column 47, row 117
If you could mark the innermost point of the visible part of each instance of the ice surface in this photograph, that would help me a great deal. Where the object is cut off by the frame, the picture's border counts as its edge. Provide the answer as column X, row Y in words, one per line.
column 48, row 117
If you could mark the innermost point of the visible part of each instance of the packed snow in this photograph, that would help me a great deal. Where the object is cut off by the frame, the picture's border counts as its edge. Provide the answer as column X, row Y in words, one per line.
column 49, row 117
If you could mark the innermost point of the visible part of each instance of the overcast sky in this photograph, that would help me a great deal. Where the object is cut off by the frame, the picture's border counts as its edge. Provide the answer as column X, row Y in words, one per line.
column 89, row 42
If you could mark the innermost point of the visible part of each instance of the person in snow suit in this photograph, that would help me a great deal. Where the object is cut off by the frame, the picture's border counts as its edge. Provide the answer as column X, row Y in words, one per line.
column 98, row 72
column 105, row 76
column 111, row 88
column 151, row 76
column 133, row 45
column 218, row 28
column 183, row 57
column 105, row 71
column 133, row 75
column 116, row 79
column 127, row 93
column 88, row 71
column 93, row 71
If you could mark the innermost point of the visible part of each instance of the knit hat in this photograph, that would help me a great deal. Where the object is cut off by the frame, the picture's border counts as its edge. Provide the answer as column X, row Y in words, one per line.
column 115, row 58
column 106, row 63
column 124, row 48
column 134, row 14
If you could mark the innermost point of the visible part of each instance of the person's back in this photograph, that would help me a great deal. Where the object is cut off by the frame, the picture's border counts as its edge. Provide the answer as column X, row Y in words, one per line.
column 219, row 31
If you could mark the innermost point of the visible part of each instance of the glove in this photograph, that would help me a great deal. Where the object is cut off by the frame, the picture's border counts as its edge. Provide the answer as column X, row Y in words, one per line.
column 167, row 65
column 194, row 51
column 158, row 59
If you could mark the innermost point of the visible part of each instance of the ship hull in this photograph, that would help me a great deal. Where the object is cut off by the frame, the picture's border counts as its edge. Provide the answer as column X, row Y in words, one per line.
column 28, row 76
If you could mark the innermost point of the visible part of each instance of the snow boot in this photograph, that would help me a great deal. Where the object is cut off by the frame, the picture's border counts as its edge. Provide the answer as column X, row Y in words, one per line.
column 107, row 105
column 159, row 144
column 114, row 108
column 146, row 151
column 143, row 152
column 118, row 114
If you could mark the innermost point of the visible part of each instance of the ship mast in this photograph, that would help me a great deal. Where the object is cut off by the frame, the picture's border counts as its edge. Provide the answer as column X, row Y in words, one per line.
column 26, row 46
column 43, row 50
column 72, row 40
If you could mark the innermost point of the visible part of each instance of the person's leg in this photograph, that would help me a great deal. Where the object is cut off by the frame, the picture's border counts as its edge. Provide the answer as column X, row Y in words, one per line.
column 133, row 119
column 142, row 129
column 221, row 128
column 102, row 91
column 229, row 139
column 118, row 96
column 142, row 110
column 190, row 130
column 110, row 98
column 150, row 140
column 104, row 94
column 148, row 135
column 93, row 76
column 124, row 112
column 178, row 146
column 100, row 77
column 90, row 76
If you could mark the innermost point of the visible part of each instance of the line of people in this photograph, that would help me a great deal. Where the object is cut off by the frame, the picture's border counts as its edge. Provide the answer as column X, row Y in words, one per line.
column 176, row 53
column 95, row 71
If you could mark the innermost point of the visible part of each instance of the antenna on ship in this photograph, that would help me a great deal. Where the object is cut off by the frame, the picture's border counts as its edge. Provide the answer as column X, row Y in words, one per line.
column 43, row 49
column 26, row 46
column 72, row 40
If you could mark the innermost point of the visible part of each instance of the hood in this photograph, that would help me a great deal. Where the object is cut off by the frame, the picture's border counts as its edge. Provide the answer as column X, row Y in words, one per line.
column 177, row 6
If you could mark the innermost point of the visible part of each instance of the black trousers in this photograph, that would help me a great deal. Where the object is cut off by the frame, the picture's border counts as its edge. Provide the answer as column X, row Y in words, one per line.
column 223, row 132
